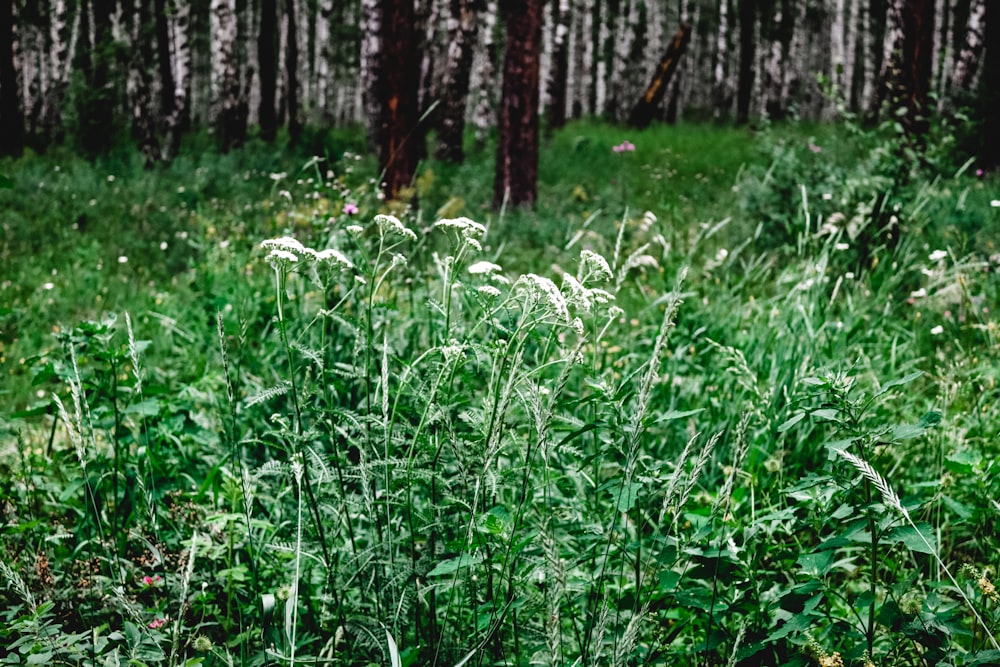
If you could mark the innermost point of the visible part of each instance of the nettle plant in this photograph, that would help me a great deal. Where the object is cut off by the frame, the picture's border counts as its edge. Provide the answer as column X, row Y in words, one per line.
column 877, row 572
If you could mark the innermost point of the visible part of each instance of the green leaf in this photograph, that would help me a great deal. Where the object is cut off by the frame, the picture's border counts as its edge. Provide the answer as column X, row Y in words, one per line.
column 453, row 565
column 393, row 650
column 931, row 419
column 963, row 461
column 923, row 542
column 6, row 183
column 670, row 415
column 628, row 495
column 828, row 414
column 898, row 382
column 817, row 563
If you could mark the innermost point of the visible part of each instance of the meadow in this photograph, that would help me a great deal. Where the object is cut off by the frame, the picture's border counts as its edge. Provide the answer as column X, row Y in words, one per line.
column 726, row 398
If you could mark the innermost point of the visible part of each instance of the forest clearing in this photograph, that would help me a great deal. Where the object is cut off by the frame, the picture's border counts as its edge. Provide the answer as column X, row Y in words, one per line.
column 470, row 351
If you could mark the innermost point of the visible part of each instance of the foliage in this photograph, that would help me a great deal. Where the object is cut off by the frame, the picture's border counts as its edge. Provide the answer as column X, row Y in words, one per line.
column 327, row 427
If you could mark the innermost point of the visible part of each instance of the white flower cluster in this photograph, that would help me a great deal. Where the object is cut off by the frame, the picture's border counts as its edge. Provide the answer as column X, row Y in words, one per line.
column 286, row 251
column 594, row 268
column 390, row 224
column 539, row 289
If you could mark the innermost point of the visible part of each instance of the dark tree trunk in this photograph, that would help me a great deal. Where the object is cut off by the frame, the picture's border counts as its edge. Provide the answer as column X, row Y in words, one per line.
column 555, row 114
column 517, row 142
column 748, row 53
column 458, row 67
column 397, row 79
column 144, row 114
column 163, row 58
column 267, row 56
column 644, row 111
column 291, row 72
column 11, row 115
column 990, row 86
column 911, row 76
column 98, row 101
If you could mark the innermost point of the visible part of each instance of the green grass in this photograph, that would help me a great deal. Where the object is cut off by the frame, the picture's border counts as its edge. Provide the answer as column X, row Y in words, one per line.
column 749, row 428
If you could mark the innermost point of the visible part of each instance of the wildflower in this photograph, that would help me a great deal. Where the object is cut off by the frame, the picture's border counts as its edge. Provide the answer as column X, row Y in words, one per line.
column 979, row 173
column 163, row 245
column 937, row 255
column 624, row 147
column 488, row 291
column 277, row 257
column 918, row 294
column 202, row 644
column 391, row 224
column 334, row 257
column 354, row 229
column 484, row 267
column 593, row 266
column 48, row 286
column 827, row 196
column 995, row 203
column 937, row 331
column 151, row 581
column 283, row 243
column 157, row 623
column 465, row 226
column 814, row 148
column 842, row 246
column 539, row 288
column 122, row 259
column 350, row 209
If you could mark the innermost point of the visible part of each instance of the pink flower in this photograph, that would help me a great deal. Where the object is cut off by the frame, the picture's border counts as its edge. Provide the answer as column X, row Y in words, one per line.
column 350, row 209
column 157, row 623
column 979, row 173
column 814, row 148
column 624, row 147
column 151, row 581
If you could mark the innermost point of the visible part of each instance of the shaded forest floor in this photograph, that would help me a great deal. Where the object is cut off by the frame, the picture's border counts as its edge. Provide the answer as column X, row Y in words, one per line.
column 729, row 396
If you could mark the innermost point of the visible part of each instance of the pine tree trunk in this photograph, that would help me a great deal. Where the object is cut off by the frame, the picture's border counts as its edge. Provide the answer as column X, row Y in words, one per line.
column 516, row 177
column 748, row 48
column 292, row 72
column 644, row 111
column 463, row 25
column 397, row 81
column 11, row 116
column 267, row 59
column 555, row 113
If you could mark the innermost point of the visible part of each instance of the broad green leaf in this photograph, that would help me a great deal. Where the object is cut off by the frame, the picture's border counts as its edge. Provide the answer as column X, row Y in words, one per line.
column 816, row 564
column 923, row 542
column 829, row 414
column 628, row 495
column 963, row 461
column 453, row 565
column 677, row 414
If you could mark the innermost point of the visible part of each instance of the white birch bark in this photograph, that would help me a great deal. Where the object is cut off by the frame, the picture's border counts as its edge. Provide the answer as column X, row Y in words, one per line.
column 224, row 85
column 601, row 66
column 485, row 114
column 371, row 28
column 968, row 58
column 720, row 74
column 323, row 54
column 180, row 52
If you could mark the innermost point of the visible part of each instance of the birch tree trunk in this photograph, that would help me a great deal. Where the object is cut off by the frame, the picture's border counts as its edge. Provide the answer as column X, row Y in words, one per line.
column 230, row 121
column 180, row 114
column 516, row 177
column 972, row 50
column 371, row 42
column 463, row 24
column 11, row 115
column 485, row 105
column 142, row 71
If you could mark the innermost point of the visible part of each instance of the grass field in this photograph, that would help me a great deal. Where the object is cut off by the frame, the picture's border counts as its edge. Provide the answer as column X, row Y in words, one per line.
column 729, row 398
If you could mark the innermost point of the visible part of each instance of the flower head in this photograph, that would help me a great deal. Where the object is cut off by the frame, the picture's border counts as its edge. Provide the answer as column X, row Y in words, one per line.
column 814, row 148
column 624, row 147
column 390, row 224
column 350, row 208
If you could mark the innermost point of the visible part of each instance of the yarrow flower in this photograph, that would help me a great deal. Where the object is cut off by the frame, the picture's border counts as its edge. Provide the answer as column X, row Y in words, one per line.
column 937, row 255
column 624, row 147
column 464, row 226
column 539, row 289
column 390, row 224
column 593, row 267
column 334, row 257
column 484, row 268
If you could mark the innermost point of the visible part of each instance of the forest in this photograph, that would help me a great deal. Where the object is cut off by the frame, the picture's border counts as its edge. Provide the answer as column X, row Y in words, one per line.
column 500, row 332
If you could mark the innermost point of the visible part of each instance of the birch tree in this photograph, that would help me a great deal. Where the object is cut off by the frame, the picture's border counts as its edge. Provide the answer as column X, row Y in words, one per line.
column 463, row 23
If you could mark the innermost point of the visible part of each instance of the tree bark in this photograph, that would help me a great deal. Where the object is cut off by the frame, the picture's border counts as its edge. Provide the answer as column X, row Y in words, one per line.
column 516, row 177
column 463, row 25
column 97, row 102
column 555, row 113
column 292, row 72
column 907, row 63
column 643, row 112
column 748, row 53
column 485, row 106
column 972, row 49
column 267, row 59
column 179, row 117
column 11, row 115
column 397, row 81
column 990, row 86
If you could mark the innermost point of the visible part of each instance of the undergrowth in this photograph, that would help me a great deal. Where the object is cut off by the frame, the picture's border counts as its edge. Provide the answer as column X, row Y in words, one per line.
column 325, row 428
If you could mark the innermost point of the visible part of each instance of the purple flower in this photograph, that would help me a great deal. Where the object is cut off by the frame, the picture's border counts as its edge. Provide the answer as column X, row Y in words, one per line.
column 350, row 209
column 979, row 173
column 624, row 147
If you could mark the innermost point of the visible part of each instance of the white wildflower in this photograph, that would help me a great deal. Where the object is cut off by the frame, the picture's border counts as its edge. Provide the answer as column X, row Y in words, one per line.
column 937, row 255
column 995, row 203
column 842, row 246
column 48, row 286
column 279, row 255
column 283, row 243
column 473, row 243
column 335, row 257
column 398, row 260
column 465, row 226
column 577, row 325
column 122, row 259
column 575, row 293
column 488, row 291
column 918, row 294
column 163, row 245
column 601, row 296
column 827, row 196
column 540, row 288
column 594, row 267
column 390, row 224
column 484, row 267
column 937, row 331
column 278, row 176
column 354, row 229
